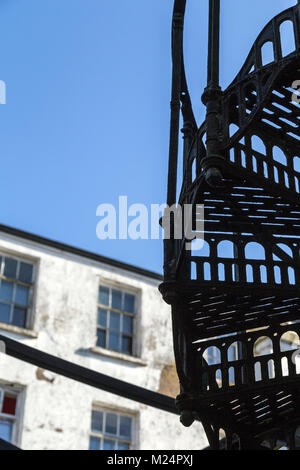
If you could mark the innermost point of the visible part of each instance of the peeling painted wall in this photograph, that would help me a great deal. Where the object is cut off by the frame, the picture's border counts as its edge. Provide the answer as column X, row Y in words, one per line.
column 168, row 384
column 57, row 411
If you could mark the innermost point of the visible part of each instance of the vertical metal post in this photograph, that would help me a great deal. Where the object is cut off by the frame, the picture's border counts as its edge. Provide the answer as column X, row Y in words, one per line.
column 240, row 349
column 213, row 66
column 212, row 98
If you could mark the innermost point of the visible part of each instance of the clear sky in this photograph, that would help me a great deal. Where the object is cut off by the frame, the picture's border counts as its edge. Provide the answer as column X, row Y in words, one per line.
column 87, row 113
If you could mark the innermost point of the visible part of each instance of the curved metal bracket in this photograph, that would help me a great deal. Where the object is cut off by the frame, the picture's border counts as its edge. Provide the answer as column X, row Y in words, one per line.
column 180, row 96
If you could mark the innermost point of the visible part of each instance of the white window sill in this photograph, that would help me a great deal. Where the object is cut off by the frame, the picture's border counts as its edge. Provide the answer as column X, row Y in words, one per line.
column 119, row 356
column 18, row 330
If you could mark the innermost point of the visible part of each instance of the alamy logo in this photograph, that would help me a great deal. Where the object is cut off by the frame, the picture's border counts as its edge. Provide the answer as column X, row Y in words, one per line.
column 138, row 221
column 296, row 94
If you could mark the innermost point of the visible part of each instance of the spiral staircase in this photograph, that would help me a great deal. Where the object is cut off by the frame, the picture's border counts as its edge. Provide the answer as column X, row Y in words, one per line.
column 241, row 288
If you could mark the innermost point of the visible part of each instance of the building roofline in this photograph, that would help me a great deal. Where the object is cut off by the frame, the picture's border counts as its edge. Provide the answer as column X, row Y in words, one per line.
column 78, row 251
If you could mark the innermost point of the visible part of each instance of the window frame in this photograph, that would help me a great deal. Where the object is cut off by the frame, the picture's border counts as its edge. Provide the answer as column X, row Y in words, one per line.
column 16, row 419
column 124, row 290
column 116, row 438
column 32, row 287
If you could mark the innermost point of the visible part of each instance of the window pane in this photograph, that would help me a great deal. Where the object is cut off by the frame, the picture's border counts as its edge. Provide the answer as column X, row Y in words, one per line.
column 129, row 303
column 19, row 317
column 102, row 317
column 94, row 443
column 26, row 271
column 232, row 353
column 104, row 295
column 10, row 268
column 111, row 423
column 108, row 444
column 97, row 421
column 6, row 290
column 114, row 341
column 126, row 345
column 9, row 405
column 125, row 427
column 115, row 321
column 116, row 301
column 101, row 338
column 6, row 430
column 213, row 355
column 127, row 324
column 123, row 446
column 22, row 295
column 4, row 313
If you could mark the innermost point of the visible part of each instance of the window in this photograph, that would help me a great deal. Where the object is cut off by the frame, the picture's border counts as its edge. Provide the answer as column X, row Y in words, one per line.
column 110, row 431
column 16, row 280
column 116, row 309
column 8, row 414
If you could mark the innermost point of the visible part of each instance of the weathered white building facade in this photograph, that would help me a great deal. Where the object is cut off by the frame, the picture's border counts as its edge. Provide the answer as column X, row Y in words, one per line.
column 98, row 313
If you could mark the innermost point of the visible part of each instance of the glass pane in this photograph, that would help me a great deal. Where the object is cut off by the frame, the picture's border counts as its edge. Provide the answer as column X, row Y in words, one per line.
column 125, row 427
column 108, row 444
column 4, row 313
column 26, row 271
column 103, row 295
column 94, row 443
column 115, row 321
column 102, row 317
column 10, row 268
column 19, row 317
column 97, row 421
column 6, row 430
column 129, row 303
column 123, row 446
column 6, row 290
column 9, row 405
column 127, row 324
column 114, row 341
column 116, row 301
column 111, row 423
column 213, row 355
column 101, row 338
column 22, row 295
column 126, row 345
column 232, row 352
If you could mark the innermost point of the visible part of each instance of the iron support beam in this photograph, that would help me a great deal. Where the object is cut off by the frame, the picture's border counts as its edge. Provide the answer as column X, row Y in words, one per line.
column 4, row 445
column 87, row 376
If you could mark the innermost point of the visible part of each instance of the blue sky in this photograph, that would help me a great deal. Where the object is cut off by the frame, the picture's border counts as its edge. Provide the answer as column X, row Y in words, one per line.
column 87, row 113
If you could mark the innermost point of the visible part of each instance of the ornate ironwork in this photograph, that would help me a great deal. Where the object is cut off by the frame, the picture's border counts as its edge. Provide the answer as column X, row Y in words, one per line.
column 243, row 164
